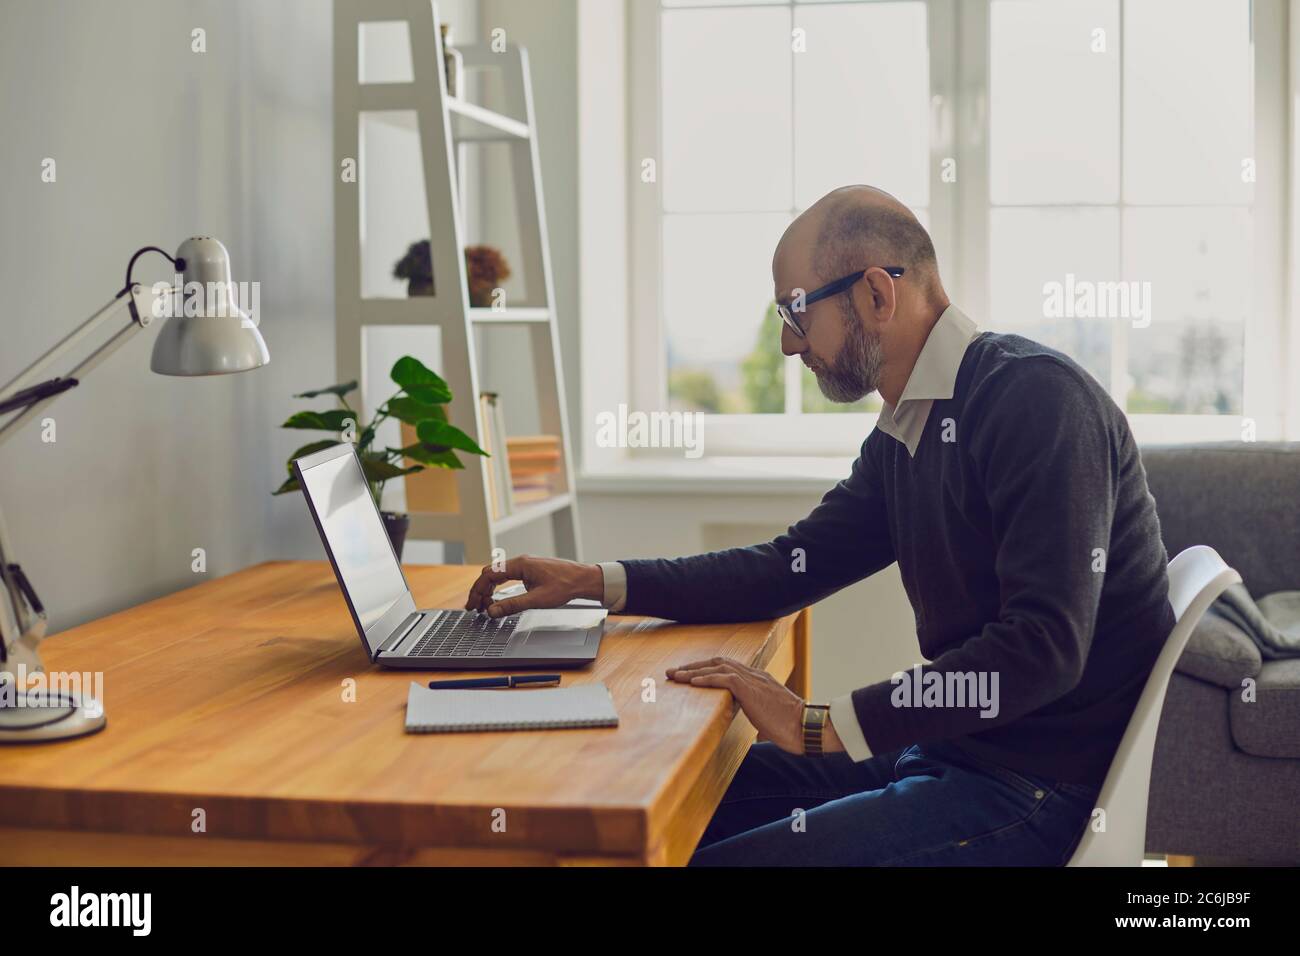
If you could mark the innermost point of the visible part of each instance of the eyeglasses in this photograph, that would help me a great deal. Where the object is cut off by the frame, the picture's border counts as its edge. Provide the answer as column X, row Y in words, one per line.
column 825, row 292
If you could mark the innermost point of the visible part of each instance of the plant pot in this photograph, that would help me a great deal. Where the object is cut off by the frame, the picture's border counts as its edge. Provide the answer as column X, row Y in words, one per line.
column 396, row 525
column 432, row 490
column 419, row 287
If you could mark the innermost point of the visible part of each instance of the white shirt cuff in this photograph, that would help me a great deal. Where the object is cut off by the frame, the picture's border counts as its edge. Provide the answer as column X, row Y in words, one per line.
column 845, row 721
column 615, row 576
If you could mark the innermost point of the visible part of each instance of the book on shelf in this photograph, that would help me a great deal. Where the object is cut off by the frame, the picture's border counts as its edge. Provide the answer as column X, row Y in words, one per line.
column 500, row 493
column 526, row 443
column 536, row 463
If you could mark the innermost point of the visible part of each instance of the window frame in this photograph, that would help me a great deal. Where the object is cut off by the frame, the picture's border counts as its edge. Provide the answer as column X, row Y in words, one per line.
column 959, row 45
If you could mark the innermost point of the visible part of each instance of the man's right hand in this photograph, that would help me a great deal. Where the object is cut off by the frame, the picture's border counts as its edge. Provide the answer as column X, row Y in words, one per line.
column 551, row 582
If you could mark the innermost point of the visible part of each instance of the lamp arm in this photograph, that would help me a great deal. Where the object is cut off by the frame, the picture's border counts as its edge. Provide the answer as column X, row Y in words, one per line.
column 14, row 617
column 127, row 297
column 22, row 617
column 134, row 299
column 30, row 374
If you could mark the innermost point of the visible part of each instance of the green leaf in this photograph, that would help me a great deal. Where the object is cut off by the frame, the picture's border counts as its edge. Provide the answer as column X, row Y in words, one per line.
column 330, row 421
column 440, row 433
column 420, row 382
column 309, row 449
column 432, row 395
column 340, row 390
column 411, row 411
column 382, row 470
column 290, row 484
column 436, row 412
column 445, row 459
column 439, row 456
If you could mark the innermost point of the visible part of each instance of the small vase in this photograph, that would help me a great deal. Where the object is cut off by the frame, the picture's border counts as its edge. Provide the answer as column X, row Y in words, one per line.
column 419, row 287
column 453, row 61
column 397, row 525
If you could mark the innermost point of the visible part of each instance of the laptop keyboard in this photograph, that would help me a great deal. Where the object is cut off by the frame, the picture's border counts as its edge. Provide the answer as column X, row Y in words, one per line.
column 465, row 634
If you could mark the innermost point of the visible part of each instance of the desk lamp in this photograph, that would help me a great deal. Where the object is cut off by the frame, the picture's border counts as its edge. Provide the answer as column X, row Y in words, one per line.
column 210, row 336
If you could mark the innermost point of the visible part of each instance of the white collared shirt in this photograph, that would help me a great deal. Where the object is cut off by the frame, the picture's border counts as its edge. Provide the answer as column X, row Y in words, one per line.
column 934, row 376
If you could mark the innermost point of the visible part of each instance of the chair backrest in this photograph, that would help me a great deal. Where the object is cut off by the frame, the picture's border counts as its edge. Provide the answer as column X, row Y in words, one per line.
column 1196, row 577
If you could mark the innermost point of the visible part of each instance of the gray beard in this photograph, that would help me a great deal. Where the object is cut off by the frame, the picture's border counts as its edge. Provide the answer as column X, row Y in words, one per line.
column 855, row 374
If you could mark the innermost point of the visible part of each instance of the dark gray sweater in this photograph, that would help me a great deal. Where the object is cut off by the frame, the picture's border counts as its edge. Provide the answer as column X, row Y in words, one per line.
column 1029, row 547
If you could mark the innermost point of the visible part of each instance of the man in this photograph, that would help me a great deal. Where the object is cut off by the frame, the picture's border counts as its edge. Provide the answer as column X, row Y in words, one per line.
column 1006, row 484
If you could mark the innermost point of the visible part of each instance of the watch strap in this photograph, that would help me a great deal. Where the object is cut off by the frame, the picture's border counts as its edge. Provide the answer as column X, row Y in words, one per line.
column 815, row 717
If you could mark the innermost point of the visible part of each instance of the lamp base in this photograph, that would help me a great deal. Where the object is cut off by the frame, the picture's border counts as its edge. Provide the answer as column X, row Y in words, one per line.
column 40, row 717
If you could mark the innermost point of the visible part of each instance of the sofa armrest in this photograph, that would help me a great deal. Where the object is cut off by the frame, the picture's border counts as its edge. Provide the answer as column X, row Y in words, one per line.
column 1219, row 652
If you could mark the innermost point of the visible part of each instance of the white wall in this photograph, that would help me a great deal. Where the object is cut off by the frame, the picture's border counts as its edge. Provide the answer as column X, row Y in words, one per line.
column 154, row 143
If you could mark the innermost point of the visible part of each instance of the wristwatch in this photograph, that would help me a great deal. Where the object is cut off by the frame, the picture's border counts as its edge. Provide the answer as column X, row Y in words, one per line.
column 814, row 725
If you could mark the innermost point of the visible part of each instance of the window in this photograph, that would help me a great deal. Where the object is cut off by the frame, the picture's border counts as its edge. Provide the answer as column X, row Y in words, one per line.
column 1122, row 132
column 1088, row 170
column 755, row 126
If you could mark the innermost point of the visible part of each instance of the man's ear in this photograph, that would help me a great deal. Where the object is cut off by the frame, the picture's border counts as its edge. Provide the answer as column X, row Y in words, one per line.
column 882, row 299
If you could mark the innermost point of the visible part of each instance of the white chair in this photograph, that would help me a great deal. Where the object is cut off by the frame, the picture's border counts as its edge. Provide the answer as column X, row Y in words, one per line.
column 1196, row 577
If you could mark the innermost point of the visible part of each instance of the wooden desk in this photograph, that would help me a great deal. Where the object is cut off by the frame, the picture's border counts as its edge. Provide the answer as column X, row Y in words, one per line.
column 231, row 698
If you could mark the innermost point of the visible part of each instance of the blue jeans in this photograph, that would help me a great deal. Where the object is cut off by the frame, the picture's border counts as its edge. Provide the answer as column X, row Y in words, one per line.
column 931, row 805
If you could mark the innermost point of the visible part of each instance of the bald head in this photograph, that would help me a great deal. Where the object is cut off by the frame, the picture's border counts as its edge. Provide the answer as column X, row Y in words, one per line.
column 883, row 321
column 855, row 227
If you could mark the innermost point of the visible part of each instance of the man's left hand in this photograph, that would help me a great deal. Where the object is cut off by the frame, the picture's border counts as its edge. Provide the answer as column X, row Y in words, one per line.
column 775, row 711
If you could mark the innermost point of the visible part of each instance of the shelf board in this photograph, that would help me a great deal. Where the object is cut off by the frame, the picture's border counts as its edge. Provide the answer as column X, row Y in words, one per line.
column 510, row 316
column 473, row 123
column 395, row 105
column 447, row 526
column 529, row 513
column 421, row 310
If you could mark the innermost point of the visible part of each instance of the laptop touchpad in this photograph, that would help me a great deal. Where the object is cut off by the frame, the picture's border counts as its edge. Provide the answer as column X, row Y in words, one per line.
column 554, row 640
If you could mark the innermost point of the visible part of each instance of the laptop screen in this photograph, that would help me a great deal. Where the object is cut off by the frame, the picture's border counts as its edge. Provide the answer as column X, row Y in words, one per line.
column 355, row 536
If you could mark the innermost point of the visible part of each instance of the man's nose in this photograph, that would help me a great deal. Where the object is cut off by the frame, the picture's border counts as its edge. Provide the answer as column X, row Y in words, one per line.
column 791, row 344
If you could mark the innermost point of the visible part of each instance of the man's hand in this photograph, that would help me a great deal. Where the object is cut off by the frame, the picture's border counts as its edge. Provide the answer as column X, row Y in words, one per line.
column 551, row 582
column 775, row 711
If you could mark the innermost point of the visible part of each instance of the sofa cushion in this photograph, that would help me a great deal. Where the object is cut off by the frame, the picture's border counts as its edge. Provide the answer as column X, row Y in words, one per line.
column 1269, row 725
column 1220, row 652
column 1237, row 498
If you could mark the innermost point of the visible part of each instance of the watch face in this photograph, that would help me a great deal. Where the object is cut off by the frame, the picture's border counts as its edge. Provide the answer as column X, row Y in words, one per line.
column 814, row 717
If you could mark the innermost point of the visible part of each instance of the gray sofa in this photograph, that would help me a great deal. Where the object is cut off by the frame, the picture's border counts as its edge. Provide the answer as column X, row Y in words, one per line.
column 1225, row 781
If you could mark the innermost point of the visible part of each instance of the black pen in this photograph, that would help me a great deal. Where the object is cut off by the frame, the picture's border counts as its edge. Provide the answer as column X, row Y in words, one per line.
column 512, row 680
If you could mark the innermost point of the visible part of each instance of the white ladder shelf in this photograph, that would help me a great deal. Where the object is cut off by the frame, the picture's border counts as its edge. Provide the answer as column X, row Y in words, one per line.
column 445, row 125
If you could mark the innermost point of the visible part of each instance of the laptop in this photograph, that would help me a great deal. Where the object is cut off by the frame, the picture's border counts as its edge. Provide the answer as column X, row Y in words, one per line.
column 394, row 632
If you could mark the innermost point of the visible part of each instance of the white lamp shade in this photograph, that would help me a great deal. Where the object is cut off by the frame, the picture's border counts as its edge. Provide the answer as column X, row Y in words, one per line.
column 221, row 338
column 208, row 345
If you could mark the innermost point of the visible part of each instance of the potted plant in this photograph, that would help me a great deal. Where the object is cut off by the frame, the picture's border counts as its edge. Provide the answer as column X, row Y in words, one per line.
column 485, row 269
column 420, row 401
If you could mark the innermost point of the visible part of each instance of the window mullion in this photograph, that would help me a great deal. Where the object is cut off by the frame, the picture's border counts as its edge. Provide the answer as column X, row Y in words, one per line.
column 793, row 392
column 1119, row 385
column 970, row 277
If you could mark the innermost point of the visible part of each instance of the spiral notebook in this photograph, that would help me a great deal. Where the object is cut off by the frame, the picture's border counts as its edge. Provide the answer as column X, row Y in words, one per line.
column 451, row 711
